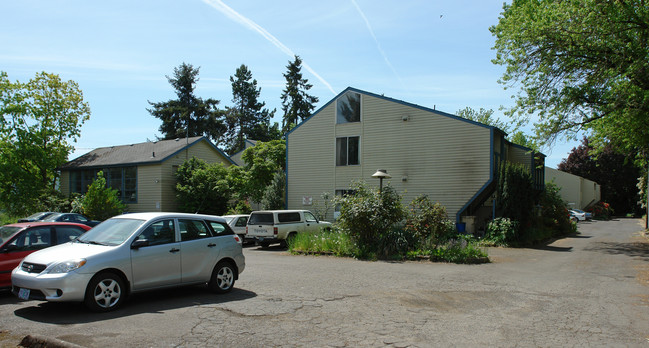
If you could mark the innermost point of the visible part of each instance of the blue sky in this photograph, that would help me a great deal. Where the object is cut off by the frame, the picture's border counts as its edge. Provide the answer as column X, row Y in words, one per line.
column 429, row 52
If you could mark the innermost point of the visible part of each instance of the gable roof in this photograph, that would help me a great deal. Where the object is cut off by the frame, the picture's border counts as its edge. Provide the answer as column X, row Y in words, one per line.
column 150, row 152
column 352, row 89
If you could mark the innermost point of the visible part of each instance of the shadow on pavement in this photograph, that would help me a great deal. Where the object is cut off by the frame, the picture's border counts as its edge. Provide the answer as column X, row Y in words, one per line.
column 632, row 249
column 145, row 302
column 553, row 248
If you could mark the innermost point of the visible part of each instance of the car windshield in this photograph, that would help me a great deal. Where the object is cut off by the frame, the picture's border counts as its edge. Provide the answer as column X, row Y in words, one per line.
column 111, row 232
column 7, row 231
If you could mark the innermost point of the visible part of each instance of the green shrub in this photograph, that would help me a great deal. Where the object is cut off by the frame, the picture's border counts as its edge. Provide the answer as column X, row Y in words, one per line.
column 101, row 202
column 463, row 249
column 395, row 243
column 273, row 197
column 501, row 231
column 426, row 221
column 367, row 214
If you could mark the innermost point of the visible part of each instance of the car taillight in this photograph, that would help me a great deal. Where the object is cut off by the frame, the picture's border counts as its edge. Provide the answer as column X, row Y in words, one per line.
column 274, row 230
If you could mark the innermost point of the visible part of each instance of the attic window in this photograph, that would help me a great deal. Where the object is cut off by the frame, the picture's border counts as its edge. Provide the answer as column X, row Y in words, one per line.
column 348, row 108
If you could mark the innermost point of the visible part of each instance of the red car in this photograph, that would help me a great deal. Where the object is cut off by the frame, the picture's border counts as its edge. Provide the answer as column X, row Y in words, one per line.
column 23, row 238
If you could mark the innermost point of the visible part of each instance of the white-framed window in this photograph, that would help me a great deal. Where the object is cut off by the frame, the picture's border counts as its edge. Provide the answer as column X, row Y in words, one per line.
column 348, row 151
column 348, row 108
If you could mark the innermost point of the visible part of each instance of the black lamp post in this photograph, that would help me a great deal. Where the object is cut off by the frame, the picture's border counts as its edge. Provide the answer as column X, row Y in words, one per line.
column 381, row 174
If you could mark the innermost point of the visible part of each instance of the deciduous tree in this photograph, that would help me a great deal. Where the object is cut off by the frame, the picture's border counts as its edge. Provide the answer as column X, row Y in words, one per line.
column 40, row 119
column 202, row 187
column 580, row 65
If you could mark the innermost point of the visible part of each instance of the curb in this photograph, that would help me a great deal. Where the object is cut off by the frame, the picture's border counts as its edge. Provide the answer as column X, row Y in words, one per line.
column 37, row 341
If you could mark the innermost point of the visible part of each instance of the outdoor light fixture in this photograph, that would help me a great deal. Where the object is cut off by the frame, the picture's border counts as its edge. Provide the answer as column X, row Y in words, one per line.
column 381, row 174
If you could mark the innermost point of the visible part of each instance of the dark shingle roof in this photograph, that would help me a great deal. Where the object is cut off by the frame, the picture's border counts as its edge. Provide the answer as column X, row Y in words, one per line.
column 150, row 152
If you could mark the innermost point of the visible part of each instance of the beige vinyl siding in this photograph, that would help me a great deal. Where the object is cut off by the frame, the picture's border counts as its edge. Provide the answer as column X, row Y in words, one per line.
column 148, row 192
column 311, row 159
column 577, row 192
column 446, row 158
column 156, row 182
column 518, row 155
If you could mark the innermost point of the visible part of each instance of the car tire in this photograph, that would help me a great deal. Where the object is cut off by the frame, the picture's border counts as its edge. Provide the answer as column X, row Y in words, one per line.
column 289, row 240
column 105, row 292
column 223, row 277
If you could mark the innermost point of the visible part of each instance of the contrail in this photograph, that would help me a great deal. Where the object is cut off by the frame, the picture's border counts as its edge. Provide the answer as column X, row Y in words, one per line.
column 378, row 45
column 246, row 22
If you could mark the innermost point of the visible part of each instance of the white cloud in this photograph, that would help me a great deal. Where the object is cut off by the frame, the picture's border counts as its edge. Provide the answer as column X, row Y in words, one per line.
column 248, row 23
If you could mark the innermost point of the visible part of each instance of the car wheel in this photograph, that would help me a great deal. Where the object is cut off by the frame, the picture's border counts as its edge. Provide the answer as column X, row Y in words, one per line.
column 289, row 240
column 105, row 292
column 222, row 280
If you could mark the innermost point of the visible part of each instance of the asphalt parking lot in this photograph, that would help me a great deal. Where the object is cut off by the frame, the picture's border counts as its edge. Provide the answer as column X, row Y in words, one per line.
column 586, row 290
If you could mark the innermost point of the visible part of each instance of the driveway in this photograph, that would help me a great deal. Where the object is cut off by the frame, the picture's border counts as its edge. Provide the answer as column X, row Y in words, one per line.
column 588, row 290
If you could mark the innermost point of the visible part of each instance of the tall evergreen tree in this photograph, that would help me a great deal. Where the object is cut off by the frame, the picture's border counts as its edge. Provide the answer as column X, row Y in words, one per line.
column 296, row 103
column 247, row 118
column 189, row 115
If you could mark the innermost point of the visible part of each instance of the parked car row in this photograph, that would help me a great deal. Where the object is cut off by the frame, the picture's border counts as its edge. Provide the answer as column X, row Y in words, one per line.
column 60, row 261
column 60, row 217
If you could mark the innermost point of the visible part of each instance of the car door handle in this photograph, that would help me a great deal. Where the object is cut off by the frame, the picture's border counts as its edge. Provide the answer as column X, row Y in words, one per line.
column 174, row 250
column 211, row 245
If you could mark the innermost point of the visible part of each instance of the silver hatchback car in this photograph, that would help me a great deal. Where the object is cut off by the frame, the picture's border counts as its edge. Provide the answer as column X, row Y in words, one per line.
column 132, row 253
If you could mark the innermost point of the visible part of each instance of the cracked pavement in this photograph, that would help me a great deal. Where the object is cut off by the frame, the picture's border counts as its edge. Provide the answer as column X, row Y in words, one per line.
column 586, row 290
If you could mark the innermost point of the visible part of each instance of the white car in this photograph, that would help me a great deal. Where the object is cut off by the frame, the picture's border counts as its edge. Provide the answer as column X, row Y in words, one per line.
column 238, row 224
column 580, row 214
column 132, row 253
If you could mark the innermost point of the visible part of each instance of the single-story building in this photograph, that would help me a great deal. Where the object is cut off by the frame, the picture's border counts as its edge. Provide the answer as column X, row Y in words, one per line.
column 143, row 174
column 453, row 160
column 578, row 192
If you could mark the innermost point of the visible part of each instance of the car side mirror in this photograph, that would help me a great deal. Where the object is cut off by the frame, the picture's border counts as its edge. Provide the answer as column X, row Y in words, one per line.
column 139, row 243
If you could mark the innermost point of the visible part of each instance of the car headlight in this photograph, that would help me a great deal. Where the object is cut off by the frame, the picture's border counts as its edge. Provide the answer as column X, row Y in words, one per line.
column 66, row 266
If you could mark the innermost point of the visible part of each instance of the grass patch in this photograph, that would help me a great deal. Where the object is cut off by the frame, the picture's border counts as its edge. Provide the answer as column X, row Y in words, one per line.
column 462, row 249
column 324, row 242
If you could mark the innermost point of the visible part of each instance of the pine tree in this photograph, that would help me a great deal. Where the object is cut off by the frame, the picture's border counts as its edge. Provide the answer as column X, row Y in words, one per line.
column 247, row 118
column 296, row 103
column 189, row 115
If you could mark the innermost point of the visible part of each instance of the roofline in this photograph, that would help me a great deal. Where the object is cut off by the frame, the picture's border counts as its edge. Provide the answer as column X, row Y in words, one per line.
column 194, row 143
column 423, row 108
column 157, row 161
